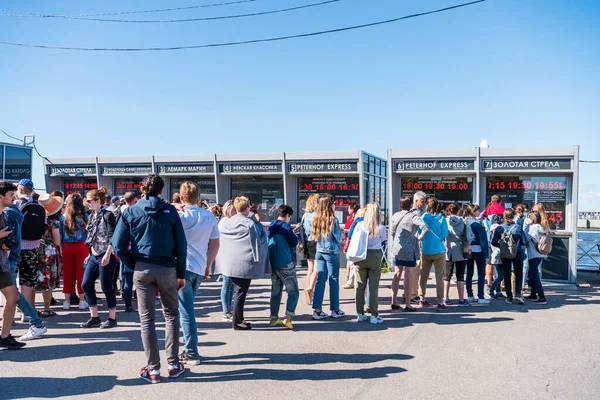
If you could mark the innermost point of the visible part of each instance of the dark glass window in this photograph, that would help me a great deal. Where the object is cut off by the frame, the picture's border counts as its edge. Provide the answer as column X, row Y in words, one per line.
column 17, row 163
column 266, row 193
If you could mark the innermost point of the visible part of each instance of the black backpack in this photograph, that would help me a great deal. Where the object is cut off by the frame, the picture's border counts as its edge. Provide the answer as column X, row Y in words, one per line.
column 34, row 222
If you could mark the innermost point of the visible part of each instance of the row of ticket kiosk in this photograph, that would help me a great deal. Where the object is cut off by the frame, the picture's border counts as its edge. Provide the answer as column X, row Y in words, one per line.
column 518, row 175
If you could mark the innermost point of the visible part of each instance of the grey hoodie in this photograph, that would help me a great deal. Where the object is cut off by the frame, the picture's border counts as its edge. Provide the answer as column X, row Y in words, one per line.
column 243, row 252
column 456, row 238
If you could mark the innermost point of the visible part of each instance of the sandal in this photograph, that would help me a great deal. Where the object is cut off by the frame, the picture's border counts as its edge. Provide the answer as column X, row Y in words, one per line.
column 46, row 313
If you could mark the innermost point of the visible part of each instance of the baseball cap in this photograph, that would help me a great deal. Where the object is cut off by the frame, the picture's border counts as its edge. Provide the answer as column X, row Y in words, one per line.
column 26, row 182
column 115, row 198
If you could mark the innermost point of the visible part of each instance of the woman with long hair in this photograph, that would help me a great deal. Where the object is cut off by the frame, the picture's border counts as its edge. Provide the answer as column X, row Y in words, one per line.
column 100, row 261
column 456, row 257
column 227, row 286
column 310, row 249
column 405, row 249
column 327, row 233
column 368, row 271
column 73, row 234
column 545, row 224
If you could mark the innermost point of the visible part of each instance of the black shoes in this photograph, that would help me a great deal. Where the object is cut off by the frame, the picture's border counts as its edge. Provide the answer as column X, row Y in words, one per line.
column 109, row 323
column 129, row 309
column 93, row 322
column 10, row 343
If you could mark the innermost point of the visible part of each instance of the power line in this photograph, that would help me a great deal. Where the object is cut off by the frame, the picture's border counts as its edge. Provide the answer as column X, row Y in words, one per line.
column 38, row 153
column 164, row 21
column 25, row 14
column 12, row 137
column 273, row 39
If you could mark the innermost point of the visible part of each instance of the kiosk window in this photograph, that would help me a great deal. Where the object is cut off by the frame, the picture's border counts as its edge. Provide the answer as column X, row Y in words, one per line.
column 124, row 185
column 208, row 190
column 266, row 193
column 79, row 186
column 345, row 191
column 17, row 163
column 447, row 189
column 550, row 190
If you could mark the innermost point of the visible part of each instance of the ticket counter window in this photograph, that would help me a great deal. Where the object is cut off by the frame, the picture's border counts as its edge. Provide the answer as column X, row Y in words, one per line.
column 208, row 190
column 17, row 163
column 447, row 189
column 345, row 191
column 265, row 193
column 79, row 186
column 529, row 190
column 123, row 186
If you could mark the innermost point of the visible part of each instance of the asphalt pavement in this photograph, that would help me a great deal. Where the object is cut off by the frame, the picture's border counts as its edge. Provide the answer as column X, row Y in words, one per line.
column 496, row 351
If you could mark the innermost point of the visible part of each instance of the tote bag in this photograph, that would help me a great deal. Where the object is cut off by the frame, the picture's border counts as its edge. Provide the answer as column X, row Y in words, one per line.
column 357, row 250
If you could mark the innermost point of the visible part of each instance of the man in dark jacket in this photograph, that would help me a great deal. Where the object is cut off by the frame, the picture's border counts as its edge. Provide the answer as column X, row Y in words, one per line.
column 150, row 239
column 282, row 254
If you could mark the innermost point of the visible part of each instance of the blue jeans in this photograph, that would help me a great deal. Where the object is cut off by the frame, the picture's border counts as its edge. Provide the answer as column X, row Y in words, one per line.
column 328, row 265
column 187, row 314
column 23, row 304
column 227, row 294
column 127, row 285
column 478, row 259
column 499, row 277
column 94, row 270
column 534, row 277
column 281, row 277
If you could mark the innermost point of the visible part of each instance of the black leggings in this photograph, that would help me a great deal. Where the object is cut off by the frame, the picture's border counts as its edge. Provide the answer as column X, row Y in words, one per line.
column 507, row 263
column 240, row 291
column 460, row 270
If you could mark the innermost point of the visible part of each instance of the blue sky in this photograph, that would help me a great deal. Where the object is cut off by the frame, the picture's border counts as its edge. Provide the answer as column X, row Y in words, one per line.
column 518, row 73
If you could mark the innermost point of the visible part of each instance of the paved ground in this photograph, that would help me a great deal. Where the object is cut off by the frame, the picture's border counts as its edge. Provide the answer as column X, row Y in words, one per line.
column 516, row 352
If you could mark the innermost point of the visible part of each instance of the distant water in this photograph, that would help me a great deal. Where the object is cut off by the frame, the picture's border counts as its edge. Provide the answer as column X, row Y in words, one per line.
column 586, row 240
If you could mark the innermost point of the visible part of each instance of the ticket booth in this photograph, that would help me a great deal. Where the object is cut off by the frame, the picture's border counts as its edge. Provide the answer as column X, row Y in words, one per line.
column 199, row 169
column 336, row 173
column 539, row 175
column 72, row 176
column 121, row 175
column 449, row 175
column 260, row 177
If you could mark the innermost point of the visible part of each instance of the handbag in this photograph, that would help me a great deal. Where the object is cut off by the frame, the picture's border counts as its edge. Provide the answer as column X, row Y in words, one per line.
column 357, row 250
column 301, row 234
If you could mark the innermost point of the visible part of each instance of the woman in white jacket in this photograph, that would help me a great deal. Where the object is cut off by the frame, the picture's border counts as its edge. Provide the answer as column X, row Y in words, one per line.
column 533, row 234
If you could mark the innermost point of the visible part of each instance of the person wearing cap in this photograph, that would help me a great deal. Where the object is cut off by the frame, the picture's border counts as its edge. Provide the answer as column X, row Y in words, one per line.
column 49, row 244
column 33, row 226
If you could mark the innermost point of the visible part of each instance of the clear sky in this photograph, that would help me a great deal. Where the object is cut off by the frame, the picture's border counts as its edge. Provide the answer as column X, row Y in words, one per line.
column 515, row 72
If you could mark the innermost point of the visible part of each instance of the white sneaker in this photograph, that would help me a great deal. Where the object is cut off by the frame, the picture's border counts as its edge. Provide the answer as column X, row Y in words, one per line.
column 472, row 299
column 376, row 320
column 362, row 318
column 483, row 301
column 83, row 305
column 487, row 295
column 66, row 305
column 338, row 314
column 34, row 333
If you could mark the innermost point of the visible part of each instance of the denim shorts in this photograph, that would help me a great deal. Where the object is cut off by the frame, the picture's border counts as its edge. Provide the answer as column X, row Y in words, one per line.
column 405, row 263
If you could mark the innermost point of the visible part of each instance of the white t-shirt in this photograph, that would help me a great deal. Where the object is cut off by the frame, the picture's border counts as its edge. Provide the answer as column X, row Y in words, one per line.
column 200, row 227
column 374, row 243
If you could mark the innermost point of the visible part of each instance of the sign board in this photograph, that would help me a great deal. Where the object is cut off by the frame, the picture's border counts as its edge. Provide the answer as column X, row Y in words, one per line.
column 186, row 169
column 434, row 165
column 72, row 170
column 246, row 168
column 142, row 169
column 325, row 167
column 535, row 164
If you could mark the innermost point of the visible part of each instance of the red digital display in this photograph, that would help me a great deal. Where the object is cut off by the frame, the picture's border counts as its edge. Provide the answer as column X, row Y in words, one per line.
column 78, row 186
column 435, row 186
column 328, row 187
column 526, row 185
column 129, row 185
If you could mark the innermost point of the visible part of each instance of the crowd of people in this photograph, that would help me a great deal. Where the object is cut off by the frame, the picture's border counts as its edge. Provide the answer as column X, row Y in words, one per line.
column 162, row 251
